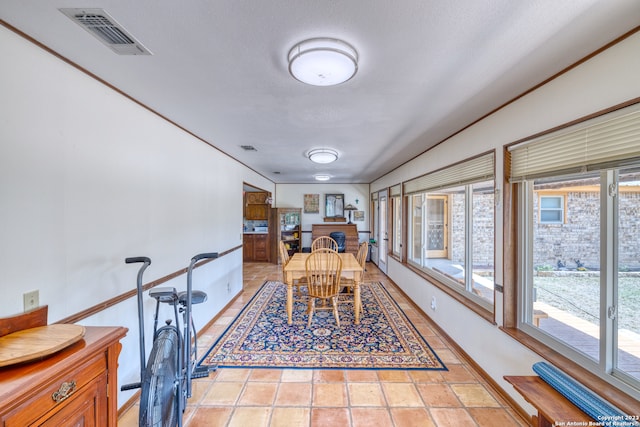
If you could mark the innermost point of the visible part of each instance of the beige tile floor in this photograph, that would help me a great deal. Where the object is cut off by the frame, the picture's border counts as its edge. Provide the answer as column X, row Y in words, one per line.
column 336, row 398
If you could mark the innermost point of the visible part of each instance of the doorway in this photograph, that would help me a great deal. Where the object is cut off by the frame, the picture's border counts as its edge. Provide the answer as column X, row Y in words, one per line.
column 383, row 235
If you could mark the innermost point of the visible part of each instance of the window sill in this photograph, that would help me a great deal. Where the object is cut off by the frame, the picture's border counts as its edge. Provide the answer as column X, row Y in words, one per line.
column 607, row 391
column 479, row 310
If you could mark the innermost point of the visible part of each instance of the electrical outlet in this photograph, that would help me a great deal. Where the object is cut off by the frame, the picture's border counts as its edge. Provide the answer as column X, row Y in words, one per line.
column 433, row 303
column 228, row 287
column 31, row 300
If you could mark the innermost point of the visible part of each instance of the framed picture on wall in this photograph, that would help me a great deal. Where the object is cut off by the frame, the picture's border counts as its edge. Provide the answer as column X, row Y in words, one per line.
column 358, row 215
column 334, row 206
column 311, row 203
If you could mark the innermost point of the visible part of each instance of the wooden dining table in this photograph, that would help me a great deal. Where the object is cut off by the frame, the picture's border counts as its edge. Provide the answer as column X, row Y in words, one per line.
column 295, row 270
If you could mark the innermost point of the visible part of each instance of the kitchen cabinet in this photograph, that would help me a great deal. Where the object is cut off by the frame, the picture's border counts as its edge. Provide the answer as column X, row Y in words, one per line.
column 255, row 247
column 256, row 207
column 258, row 198
column 256, row 212
column 75, row 386
column 247, row 247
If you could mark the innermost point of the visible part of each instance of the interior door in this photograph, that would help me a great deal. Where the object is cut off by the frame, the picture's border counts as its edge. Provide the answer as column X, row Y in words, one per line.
column 383, row 242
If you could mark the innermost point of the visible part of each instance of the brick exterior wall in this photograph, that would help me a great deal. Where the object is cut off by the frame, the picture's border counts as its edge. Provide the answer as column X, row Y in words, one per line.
column 578, row 238
column 483, row 229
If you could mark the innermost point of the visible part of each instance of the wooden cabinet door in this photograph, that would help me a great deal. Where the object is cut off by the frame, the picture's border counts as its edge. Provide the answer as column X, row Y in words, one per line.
column 255, row 206
column 260, row 249
column 256, row 198
column 257, row 212
column 247, row 247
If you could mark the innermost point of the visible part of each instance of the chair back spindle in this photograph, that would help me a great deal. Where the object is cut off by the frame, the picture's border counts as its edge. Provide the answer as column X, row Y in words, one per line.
column 324, row 242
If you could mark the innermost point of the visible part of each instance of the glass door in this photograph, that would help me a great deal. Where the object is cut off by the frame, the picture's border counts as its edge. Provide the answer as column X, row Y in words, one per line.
column 437, row 226
column 383, row 242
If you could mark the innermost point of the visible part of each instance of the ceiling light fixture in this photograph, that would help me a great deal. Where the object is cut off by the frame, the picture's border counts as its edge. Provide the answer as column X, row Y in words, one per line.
column 322, row 155
column 322, row 177
column 323, row 61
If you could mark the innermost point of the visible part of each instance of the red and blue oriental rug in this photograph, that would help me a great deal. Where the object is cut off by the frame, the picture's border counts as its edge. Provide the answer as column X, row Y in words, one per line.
column 260, row 337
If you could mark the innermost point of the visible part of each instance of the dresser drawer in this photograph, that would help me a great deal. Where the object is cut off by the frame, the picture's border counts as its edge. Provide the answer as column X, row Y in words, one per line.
column 51, row 398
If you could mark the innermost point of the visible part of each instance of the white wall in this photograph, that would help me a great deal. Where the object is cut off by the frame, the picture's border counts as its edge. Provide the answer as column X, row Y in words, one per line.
column 87, row 178
column 292, row 196
column 606, row 80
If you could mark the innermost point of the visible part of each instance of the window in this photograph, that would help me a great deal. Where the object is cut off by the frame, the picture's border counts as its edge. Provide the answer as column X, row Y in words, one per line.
column 551, row 209
column 451, row 228
column 396, row 220
column 579, row 280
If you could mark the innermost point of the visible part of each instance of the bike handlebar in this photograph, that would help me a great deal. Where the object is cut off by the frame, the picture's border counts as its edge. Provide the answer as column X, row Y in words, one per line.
column 210, row 255
column 137, row 259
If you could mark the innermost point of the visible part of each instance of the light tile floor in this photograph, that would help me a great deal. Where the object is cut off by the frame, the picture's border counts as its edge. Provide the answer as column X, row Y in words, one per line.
column 341, row 398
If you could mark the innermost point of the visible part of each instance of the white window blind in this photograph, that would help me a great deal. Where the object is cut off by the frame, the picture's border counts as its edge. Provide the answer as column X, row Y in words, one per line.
column 395, row 190
column 609, row 140
column 478, row 169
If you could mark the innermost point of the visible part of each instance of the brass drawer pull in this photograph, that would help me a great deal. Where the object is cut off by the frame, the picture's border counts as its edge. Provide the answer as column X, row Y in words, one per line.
column 66, row 389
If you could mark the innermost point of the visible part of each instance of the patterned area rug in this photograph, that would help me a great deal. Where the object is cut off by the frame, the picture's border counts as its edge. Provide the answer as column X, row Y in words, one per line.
column 260, row 337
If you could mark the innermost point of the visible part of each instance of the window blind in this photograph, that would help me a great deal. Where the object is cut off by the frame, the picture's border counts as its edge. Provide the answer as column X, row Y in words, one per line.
column 474, row 170
column 607, row 141
column 395, row 190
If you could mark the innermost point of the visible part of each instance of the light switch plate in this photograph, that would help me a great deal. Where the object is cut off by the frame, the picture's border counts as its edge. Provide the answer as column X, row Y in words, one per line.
column 31, row 300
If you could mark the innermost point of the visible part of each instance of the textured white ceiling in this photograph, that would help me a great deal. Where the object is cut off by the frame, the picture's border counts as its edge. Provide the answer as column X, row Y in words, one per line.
column 427, row 69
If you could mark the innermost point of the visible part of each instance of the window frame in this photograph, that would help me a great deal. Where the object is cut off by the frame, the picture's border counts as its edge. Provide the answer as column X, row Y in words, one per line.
column 515, row 253
column 464, row 293
column 396, row 233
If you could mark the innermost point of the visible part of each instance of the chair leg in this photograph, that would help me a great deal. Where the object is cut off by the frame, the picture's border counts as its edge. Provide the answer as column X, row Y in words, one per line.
column 311, row 308
column 334, row 300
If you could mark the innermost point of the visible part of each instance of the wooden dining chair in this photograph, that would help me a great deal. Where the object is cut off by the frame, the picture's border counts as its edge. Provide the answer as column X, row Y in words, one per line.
column 346, row 295
column 284, row 256
column 363, row 251
column 324, row 242
column 323, row 268
column 284, row 253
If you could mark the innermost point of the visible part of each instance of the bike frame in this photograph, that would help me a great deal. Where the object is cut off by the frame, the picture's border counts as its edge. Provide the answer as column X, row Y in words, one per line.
column 187, row 364
column 185, row 350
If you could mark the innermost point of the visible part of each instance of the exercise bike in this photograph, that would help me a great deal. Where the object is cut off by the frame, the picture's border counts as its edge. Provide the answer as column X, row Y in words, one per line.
column 172, row 364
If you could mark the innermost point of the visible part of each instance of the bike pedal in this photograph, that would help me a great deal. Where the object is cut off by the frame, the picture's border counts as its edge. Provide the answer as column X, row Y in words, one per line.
column 130, row 386
column 201, row 372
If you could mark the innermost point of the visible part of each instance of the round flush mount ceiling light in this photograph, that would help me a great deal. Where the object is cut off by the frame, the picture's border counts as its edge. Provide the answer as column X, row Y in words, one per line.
column 322, row 177
column 323, row 61
column 322, row 155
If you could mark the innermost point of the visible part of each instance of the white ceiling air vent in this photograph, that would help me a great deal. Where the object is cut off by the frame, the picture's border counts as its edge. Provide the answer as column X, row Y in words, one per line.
column 107, row 30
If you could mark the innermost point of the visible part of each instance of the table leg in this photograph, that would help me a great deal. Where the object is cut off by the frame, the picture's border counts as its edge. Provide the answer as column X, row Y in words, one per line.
column 289, row 281
column 357, row 304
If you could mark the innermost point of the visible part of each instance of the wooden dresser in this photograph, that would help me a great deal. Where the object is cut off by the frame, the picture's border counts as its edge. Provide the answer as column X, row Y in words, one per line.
column 350, row 233
column 76, row 386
